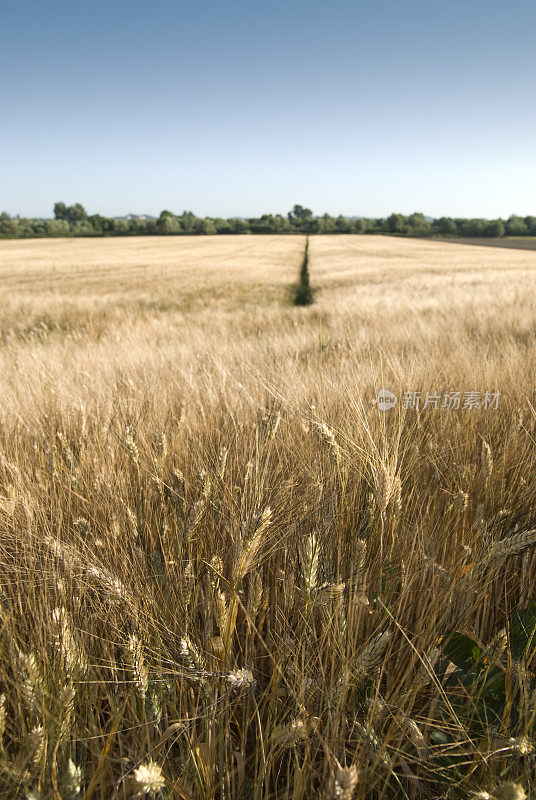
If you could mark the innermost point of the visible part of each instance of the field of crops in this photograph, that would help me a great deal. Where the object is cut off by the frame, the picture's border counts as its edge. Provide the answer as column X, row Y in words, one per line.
column 227, row 571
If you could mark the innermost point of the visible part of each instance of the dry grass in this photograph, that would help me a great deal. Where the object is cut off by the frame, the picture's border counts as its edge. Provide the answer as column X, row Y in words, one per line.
column 225, row 572
column 516, row 242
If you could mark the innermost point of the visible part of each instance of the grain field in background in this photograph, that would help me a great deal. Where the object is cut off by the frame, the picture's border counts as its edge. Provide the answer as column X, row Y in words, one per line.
column 225, row 572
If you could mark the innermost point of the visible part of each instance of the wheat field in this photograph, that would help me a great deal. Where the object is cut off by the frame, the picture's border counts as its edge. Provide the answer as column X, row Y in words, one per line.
column 226, row 572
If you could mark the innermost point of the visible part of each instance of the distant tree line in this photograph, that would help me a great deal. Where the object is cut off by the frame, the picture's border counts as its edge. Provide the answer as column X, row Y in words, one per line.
column 74, row 221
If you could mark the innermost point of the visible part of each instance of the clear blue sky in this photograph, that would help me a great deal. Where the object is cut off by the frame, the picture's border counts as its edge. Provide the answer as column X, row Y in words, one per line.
column 239, row 108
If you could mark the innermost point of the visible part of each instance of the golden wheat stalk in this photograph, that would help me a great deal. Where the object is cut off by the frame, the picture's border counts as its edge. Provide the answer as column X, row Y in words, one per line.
column 251, row 547
column 514, row 545
column 344, row 782
column 383, row 488
column 327, row 437
column 137, row 663
column 67, row 646
column 496, row 648
column 131, row 447
column 372, row 653
column 487, row 460
column 268, row 427
column 310, row 560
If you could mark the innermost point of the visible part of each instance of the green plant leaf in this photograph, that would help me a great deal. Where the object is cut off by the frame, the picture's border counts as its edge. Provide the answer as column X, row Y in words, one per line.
column 461, row 650
column 521, row 629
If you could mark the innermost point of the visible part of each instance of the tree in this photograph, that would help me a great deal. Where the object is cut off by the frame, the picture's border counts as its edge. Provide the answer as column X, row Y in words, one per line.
column 223, row 225
column 57, row 227
column 318, row 225
column 188, row 221
column 281, row 224
column 328, row 223
column 205, row 226
column 168, row 223
column 96, row 222
column 8, row 226
column 239, row 226
column 120, row 226
column 516, row 226
column 74, row 221
column 76, row 213
column 263, row 225
column 418, row 224
column 380, row 225
column 342, row 225
column 530, row 222
column 494, row 228
column 396, row 223
column 25, row 227
column 445, row 225
column 473, row 227
column 38, row 227
column 300, row 215
column 59, row 210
